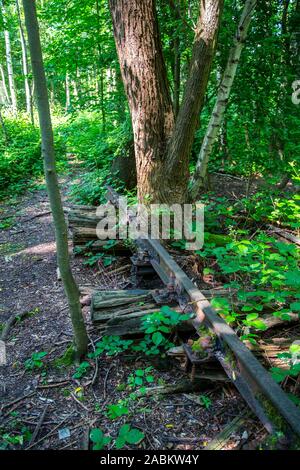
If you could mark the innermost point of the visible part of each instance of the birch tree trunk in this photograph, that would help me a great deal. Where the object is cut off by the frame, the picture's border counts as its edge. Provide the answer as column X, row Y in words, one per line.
column 61, row 233
column 9, row 64
column 68, row 93
column 4, row 93
column 29, row 109
column 222, row 99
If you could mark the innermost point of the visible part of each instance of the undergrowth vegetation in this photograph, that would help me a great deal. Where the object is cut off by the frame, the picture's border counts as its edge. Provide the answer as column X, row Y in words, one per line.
column 95, row 148
column 21, row 161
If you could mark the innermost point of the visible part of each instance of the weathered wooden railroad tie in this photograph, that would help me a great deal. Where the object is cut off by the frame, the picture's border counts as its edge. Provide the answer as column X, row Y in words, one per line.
column 82, row 222
column 119, row 314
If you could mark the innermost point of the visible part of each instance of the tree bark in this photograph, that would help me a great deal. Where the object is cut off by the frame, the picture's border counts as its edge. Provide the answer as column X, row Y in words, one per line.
column 68, row 93
column 9, row 64
column 217, row 115
column 61, row 233
column 2, row 123
column 29, row 109
column 145, row 80
column 5, row 101
column 176, row 59
column 180, row 145
column 162, row 147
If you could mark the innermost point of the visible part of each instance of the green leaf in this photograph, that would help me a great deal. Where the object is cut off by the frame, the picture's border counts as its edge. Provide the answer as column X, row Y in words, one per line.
column 292, row 278
column 120, row 442
column 124, row 429
column 139, row 381
column 150, row 378
column 295, row 306
column 96, row 435
column 252, row 316
column 259, row 325
column 157, row 338
column 135, row 436
column 164, row 329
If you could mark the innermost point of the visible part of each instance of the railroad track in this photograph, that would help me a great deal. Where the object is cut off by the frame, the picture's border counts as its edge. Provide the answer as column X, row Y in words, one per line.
column 262, row 394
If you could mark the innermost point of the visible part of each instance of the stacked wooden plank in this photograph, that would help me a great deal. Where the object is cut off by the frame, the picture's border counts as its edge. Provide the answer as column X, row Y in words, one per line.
column 82, row 222
column 119, row 312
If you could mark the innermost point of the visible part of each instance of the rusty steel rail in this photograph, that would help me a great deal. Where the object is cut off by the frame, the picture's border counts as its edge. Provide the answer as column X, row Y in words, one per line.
column 262, row 394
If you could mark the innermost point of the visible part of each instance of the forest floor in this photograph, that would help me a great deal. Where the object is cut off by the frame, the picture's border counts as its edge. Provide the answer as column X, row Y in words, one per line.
column 46, row 408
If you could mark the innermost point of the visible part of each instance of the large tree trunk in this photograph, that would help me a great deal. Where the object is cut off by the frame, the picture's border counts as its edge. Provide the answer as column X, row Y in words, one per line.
column 162, row 148
column 61, row 232
column 176, row 56
column 29, row 108
column 9, row 64
column 217, row 115
column 145, row 79
column 180, row 145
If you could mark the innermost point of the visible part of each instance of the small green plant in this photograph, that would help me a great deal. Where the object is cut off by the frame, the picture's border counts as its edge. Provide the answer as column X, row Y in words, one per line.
column 93, row 259
column 66, row 359
column 128, row 435
column 140, row 377
column 35, row 361
column 97, row 408
column 81, row 370
column 293, row 360
column 15, row 434
column 111, row 346
column 253, row 321
column 117, row 410
column 156, row 326
column 100, row 441
column 6, row 223
column 110, row 244
column 205, row 401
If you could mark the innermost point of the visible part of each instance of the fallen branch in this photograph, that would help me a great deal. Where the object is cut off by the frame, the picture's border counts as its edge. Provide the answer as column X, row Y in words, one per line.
column 119, row 270
column 79, row 402
column 271, row 321
column 284, row 234
column 17, row 400
column 50, row 432
column 42, row 214
column 105, row 380
column 10, row 322
column 96, row 363
column 53, row 385
column 180, row 387
column 38, row 426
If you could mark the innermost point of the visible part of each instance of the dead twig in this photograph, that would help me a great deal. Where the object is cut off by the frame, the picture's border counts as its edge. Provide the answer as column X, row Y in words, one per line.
column 17, row 400
column 42, row 214
column 38, row 426
column 96, row 363
column 10, row 322
column 79, row 402
column 105, row 380
column 50, row 432
column 119, row 270
column 54, row 385
column 68, row 445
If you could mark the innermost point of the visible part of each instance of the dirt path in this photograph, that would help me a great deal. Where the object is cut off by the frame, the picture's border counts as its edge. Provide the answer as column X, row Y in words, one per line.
column 63, row 409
